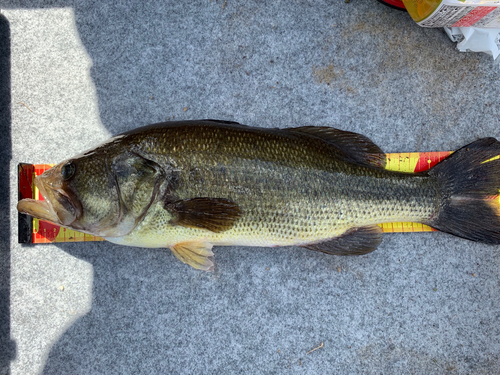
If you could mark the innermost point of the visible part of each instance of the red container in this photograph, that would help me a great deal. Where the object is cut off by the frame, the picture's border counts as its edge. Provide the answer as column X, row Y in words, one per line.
column 396, row 4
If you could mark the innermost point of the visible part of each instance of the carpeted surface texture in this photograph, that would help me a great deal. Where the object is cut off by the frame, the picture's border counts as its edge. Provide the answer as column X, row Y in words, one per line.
column 73, row 73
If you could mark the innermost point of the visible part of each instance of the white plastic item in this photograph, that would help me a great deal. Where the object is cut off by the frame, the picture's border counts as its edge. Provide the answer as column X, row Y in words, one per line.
column 473, row 39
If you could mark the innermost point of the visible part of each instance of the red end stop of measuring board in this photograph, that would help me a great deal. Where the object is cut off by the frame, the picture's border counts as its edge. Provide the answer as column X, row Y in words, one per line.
column 33, row 231
column 25, row 173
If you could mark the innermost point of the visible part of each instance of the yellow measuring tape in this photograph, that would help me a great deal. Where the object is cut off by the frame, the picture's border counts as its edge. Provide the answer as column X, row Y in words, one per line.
column 44, row 232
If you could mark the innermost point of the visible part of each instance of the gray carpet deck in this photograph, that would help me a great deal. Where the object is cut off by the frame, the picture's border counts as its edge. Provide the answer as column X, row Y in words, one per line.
column 75, row 72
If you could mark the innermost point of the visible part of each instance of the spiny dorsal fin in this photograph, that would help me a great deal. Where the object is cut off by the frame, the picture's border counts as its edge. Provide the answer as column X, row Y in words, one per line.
column 225, row 122
column 214, row 214
column 196, row 254
column 356, row 241
column 356, row 146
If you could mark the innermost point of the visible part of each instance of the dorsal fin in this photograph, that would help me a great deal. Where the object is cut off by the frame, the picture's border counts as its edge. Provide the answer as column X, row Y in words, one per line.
column 226, row 122
column 356, row 146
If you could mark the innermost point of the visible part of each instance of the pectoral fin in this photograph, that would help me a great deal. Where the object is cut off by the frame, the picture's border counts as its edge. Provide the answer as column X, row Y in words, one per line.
column 214, row 214
column 356, row 241
column 196, row 254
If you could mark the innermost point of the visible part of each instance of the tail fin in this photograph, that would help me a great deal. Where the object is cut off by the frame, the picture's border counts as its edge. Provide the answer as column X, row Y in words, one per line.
column 469, row 185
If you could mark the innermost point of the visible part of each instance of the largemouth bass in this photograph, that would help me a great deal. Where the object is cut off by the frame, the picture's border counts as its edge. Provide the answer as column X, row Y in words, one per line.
column 191, row 185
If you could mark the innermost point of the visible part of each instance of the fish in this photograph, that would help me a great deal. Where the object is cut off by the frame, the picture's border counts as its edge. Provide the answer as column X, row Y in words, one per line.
column 192, row 185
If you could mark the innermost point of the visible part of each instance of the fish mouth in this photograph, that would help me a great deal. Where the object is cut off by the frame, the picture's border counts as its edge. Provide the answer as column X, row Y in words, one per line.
column 58, row 207
column 39, row 209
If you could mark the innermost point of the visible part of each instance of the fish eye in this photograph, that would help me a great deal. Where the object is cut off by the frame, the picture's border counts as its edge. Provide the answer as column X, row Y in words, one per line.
column 68, row 170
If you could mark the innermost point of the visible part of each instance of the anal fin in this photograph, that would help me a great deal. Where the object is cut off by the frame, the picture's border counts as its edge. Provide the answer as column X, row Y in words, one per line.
column 356, row 241
column 195, row 253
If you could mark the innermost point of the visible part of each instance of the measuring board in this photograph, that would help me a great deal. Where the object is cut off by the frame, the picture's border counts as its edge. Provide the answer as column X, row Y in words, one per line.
column 32, row 230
